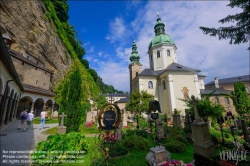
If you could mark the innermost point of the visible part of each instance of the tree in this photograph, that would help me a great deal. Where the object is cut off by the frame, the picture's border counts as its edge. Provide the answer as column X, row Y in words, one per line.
column 93, row 74
column 99, row 102
column 85, row 63
column 62, row 8
column 240, row 99
column 239, row 33
column 206, row 108
column 139, row 102
column 71, row 102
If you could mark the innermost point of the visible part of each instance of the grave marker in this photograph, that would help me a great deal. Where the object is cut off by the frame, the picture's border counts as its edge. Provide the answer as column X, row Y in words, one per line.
column 62, row 129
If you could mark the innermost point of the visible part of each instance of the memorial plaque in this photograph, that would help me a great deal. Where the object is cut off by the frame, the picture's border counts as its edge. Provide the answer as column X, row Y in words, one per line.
column 109, row 118
column 154, row 116
column 160, row 157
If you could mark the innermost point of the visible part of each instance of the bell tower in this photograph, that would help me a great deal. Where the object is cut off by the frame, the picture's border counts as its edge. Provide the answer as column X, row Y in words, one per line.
column 135, row 67
column 161, row 49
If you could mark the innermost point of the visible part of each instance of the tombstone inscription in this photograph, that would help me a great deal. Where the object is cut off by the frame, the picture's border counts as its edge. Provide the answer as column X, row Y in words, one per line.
column 109, row 119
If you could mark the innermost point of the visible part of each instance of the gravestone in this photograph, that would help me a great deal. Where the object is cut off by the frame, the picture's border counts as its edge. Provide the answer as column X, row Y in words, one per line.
column 125, row 119
column 55, row 114
column 158, row 156
column 109, row 118
column 187, row 123
column 159, row 129
column 204, row 148
column 119, row 132
column 61, row 129
column 176, row 119
column 89, row 117
column 195, row 102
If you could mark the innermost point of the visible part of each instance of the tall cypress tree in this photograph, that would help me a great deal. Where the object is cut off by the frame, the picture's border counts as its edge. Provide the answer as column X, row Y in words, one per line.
column 240, row 99
column 71, row 102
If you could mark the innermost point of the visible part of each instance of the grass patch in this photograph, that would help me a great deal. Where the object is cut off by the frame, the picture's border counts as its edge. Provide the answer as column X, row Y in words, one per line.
column 50, row 131
column 47, row 121
column 186, row 156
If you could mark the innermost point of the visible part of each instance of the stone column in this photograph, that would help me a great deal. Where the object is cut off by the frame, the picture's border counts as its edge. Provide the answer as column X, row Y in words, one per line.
column 52, row 109
column 16, row 107
column 125, row 119
column 14, row 110
column 10, row 109
column 32, row 106
column 4, row 111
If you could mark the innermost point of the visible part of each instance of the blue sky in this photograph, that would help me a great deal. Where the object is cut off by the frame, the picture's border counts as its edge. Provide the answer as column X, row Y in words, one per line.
column 108, row 28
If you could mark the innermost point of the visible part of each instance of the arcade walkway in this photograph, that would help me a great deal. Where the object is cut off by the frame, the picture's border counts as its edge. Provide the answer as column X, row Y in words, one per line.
column 16, row 144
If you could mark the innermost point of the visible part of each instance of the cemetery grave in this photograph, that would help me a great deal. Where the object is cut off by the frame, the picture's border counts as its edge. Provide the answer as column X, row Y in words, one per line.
column 111, row 143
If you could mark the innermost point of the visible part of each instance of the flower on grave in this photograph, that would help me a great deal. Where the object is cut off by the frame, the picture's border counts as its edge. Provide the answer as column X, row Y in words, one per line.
column 176, row 163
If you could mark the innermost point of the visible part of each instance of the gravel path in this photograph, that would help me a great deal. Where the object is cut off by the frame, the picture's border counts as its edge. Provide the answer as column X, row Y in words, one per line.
column 17, row 145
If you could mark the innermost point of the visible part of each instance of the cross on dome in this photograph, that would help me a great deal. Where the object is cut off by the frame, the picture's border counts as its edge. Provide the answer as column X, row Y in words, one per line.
column 158, row 14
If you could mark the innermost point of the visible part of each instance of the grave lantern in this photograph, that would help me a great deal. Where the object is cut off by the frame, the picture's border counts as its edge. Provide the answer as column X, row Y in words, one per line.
column 7, row 40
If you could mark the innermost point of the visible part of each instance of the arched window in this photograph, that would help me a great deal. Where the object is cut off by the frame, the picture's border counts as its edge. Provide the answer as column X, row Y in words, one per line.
column 217, row 100
column 164, row 84
column 227, row 100
column 136, row 73
column 168, row 53
column 158, row 54
column 150, row 85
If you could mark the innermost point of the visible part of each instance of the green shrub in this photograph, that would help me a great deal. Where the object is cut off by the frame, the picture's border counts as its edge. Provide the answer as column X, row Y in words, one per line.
column 117, row 150
column 175, row 146
column 135, row 142
column 60, row 147
column 214, row 139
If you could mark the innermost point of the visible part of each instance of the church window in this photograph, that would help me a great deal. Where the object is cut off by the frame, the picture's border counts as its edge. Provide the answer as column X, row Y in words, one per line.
column 227, row 100
column 185, row 93
column 158, row 54
column 164, row 84
column 136, row 73
column 22, row 63
column 150, row 85
column 168, row 53
column 217, row 100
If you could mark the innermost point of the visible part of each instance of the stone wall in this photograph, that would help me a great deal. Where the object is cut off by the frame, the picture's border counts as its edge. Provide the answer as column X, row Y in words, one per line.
column 33, row 34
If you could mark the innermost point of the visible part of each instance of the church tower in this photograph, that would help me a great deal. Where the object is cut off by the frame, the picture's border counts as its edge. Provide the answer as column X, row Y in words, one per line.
column 135, row 67
column 161, row 50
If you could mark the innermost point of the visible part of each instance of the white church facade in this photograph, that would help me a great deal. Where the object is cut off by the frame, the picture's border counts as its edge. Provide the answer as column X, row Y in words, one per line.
column 166, row 80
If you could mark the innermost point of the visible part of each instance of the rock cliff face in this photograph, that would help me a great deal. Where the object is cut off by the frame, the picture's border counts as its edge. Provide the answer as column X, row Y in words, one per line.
column 34, row 35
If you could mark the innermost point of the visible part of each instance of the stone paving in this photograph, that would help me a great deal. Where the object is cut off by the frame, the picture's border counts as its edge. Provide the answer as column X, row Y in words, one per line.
column 17, row 145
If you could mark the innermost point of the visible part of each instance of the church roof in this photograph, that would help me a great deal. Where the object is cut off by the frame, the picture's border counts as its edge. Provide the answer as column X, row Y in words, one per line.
column 172, row 67
column 148, row 72
column 123, row 100
column 217, row 91
column 177, row 67
column 160, row 36
column 244, row 78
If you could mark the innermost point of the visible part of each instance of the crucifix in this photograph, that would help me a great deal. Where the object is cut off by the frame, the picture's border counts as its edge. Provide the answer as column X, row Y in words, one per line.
column 111, row 99
column 194, row 102
column 62, row 120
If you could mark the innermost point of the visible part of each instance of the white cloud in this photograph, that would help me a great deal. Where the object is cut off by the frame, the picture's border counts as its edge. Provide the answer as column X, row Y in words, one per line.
column 182, row 21
column 117, row 30
column 91, row 49
column 196, row 50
